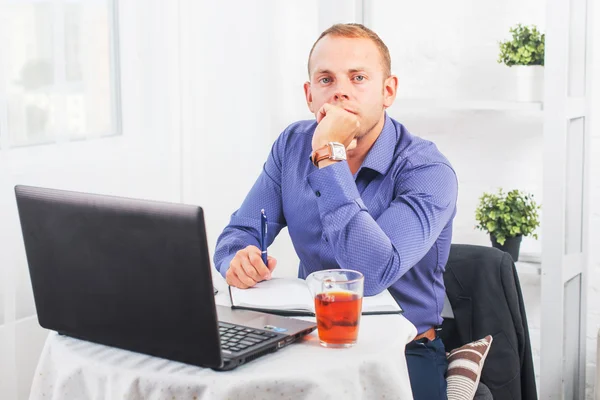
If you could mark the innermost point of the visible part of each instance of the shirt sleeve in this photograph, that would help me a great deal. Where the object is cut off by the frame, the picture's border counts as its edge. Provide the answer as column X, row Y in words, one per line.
column 244, row 225
column 385, row 248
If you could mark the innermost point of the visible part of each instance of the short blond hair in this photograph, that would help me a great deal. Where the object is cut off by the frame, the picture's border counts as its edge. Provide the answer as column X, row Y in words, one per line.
column 357, row 31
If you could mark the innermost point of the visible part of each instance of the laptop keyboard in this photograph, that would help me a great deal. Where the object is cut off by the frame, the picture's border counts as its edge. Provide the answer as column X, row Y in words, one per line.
column 237, row 338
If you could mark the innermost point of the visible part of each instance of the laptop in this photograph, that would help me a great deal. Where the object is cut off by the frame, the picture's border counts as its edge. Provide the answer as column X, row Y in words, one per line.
column 136, row 274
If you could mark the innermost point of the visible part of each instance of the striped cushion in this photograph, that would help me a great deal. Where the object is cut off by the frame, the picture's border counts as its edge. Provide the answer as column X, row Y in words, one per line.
column 464, row 368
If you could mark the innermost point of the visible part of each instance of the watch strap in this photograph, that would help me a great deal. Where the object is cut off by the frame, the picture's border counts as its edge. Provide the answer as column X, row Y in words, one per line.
column 322, row 153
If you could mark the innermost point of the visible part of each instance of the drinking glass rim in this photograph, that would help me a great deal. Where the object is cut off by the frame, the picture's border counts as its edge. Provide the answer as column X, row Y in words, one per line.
column 341, row 270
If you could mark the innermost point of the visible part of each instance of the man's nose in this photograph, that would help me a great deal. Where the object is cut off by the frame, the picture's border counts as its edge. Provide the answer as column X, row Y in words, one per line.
column 340, row 93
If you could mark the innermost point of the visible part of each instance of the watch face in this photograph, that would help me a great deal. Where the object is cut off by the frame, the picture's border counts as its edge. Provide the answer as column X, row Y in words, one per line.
column 339, row 152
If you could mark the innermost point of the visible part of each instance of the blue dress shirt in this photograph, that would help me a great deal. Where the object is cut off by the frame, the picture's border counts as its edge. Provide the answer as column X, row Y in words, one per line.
column 392, row 220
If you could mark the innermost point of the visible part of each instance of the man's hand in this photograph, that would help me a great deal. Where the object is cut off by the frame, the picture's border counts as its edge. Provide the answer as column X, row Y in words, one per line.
column 334, row 125
column 247, row 268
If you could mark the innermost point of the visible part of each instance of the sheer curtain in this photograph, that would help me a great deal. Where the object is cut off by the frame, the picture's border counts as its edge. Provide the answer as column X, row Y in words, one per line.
column 57, row 85
column 59, row 127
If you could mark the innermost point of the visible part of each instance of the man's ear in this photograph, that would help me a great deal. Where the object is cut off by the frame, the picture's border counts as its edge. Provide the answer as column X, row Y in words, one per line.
column 390, row 87
column 308, row 95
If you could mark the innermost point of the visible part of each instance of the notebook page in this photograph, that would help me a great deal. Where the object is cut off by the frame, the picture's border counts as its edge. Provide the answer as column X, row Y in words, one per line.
column 275, row 294
column 381, row 302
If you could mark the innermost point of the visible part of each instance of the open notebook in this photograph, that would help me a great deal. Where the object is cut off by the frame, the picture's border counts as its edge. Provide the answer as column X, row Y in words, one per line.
column 291, row 296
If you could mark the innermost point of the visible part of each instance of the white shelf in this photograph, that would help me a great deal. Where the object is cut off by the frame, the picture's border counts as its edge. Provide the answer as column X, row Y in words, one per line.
column 466, row 105
column 529, row 263
column 528, row 268
column 534, row 258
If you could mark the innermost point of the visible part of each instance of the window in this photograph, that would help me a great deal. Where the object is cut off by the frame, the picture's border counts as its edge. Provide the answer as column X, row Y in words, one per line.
column 58, row 71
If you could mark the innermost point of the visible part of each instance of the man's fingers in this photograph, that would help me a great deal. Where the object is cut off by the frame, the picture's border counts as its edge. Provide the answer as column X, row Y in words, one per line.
column 320, row 116
column 323, row 112
column 260, row 267
column 249, row 269
column 237, row 267
column 242, row 276
column 352, row 145
column 255, row 256
column 251, row 249
column 233, row 280
column 271, row 263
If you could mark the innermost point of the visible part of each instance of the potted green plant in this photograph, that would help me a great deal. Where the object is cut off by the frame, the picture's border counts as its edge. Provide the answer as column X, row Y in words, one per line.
column 524, row 53
column 507, row 217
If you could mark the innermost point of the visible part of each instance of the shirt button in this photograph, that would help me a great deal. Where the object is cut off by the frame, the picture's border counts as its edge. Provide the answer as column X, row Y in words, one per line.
column 318, row 193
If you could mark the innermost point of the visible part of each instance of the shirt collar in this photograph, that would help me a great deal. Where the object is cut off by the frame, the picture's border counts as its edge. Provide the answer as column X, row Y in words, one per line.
column 380, row 157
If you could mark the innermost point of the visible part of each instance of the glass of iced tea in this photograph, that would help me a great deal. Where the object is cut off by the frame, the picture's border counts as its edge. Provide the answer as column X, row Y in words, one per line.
column 338, row 295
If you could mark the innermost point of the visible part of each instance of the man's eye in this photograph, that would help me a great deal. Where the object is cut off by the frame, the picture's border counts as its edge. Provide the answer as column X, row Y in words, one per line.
column 325, row 80
column 359, row 78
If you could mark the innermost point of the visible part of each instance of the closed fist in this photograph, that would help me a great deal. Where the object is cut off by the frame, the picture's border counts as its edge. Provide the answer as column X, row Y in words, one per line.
column 335, row 124
column 247, row 268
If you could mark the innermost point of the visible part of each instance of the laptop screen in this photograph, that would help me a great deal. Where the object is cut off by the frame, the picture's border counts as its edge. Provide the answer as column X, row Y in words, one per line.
column 123, row 272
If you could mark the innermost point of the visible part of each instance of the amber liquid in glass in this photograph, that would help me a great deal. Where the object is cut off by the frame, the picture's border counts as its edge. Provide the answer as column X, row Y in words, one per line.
column 338, row 317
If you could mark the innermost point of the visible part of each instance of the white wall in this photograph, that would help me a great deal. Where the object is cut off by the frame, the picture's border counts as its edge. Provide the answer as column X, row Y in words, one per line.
column 448, row 50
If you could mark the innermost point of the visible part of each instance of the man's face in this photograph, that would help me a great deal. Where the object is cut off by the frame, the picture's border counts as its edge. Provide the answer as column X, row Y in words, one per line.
column 348, row 72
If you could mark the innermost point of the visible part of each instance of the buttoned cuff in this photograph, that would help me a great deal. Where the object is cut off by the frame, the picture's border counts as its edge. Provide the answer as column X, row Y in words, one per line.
column 335, row 190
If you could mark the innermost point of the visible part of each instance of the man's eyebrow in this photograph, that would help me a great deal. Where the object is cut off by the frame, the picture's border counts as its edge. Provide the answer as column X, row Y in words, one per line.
column 351, row 70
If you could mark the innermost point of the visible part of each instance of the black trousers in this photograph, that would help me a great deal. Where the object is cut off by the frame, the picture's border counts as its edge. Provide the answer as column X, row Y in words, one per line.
column 427, row 365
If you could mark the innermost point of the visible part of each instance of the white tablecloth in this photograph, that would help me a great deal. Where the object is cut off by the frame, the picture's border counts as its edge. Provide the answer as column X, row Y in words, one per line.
column 373, row 369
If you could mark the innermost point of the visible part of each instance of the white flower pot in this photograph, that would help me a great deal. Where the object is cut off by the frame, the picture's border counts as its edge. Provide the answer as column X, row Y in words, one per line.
column 529, row 83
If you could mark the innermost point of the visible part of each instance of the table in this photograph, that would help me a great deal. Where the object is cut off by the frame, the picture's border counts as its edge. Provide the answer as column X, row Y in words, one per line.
column 373, row 369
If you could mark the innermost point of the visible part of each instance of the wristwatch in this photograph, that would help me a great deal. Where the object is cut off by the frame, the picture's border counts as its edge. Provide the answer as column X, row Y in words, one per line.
column 331, row 151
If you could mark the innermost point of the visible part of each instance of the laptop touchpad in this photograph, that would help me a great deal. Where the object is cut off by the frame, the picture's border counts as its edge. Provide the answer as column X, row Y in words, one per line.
column 259, row 320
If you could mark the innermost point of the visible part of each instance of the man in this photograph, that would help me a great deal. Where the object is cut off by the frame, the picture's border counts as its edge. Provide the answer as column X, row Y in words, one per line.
column 386, row 210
